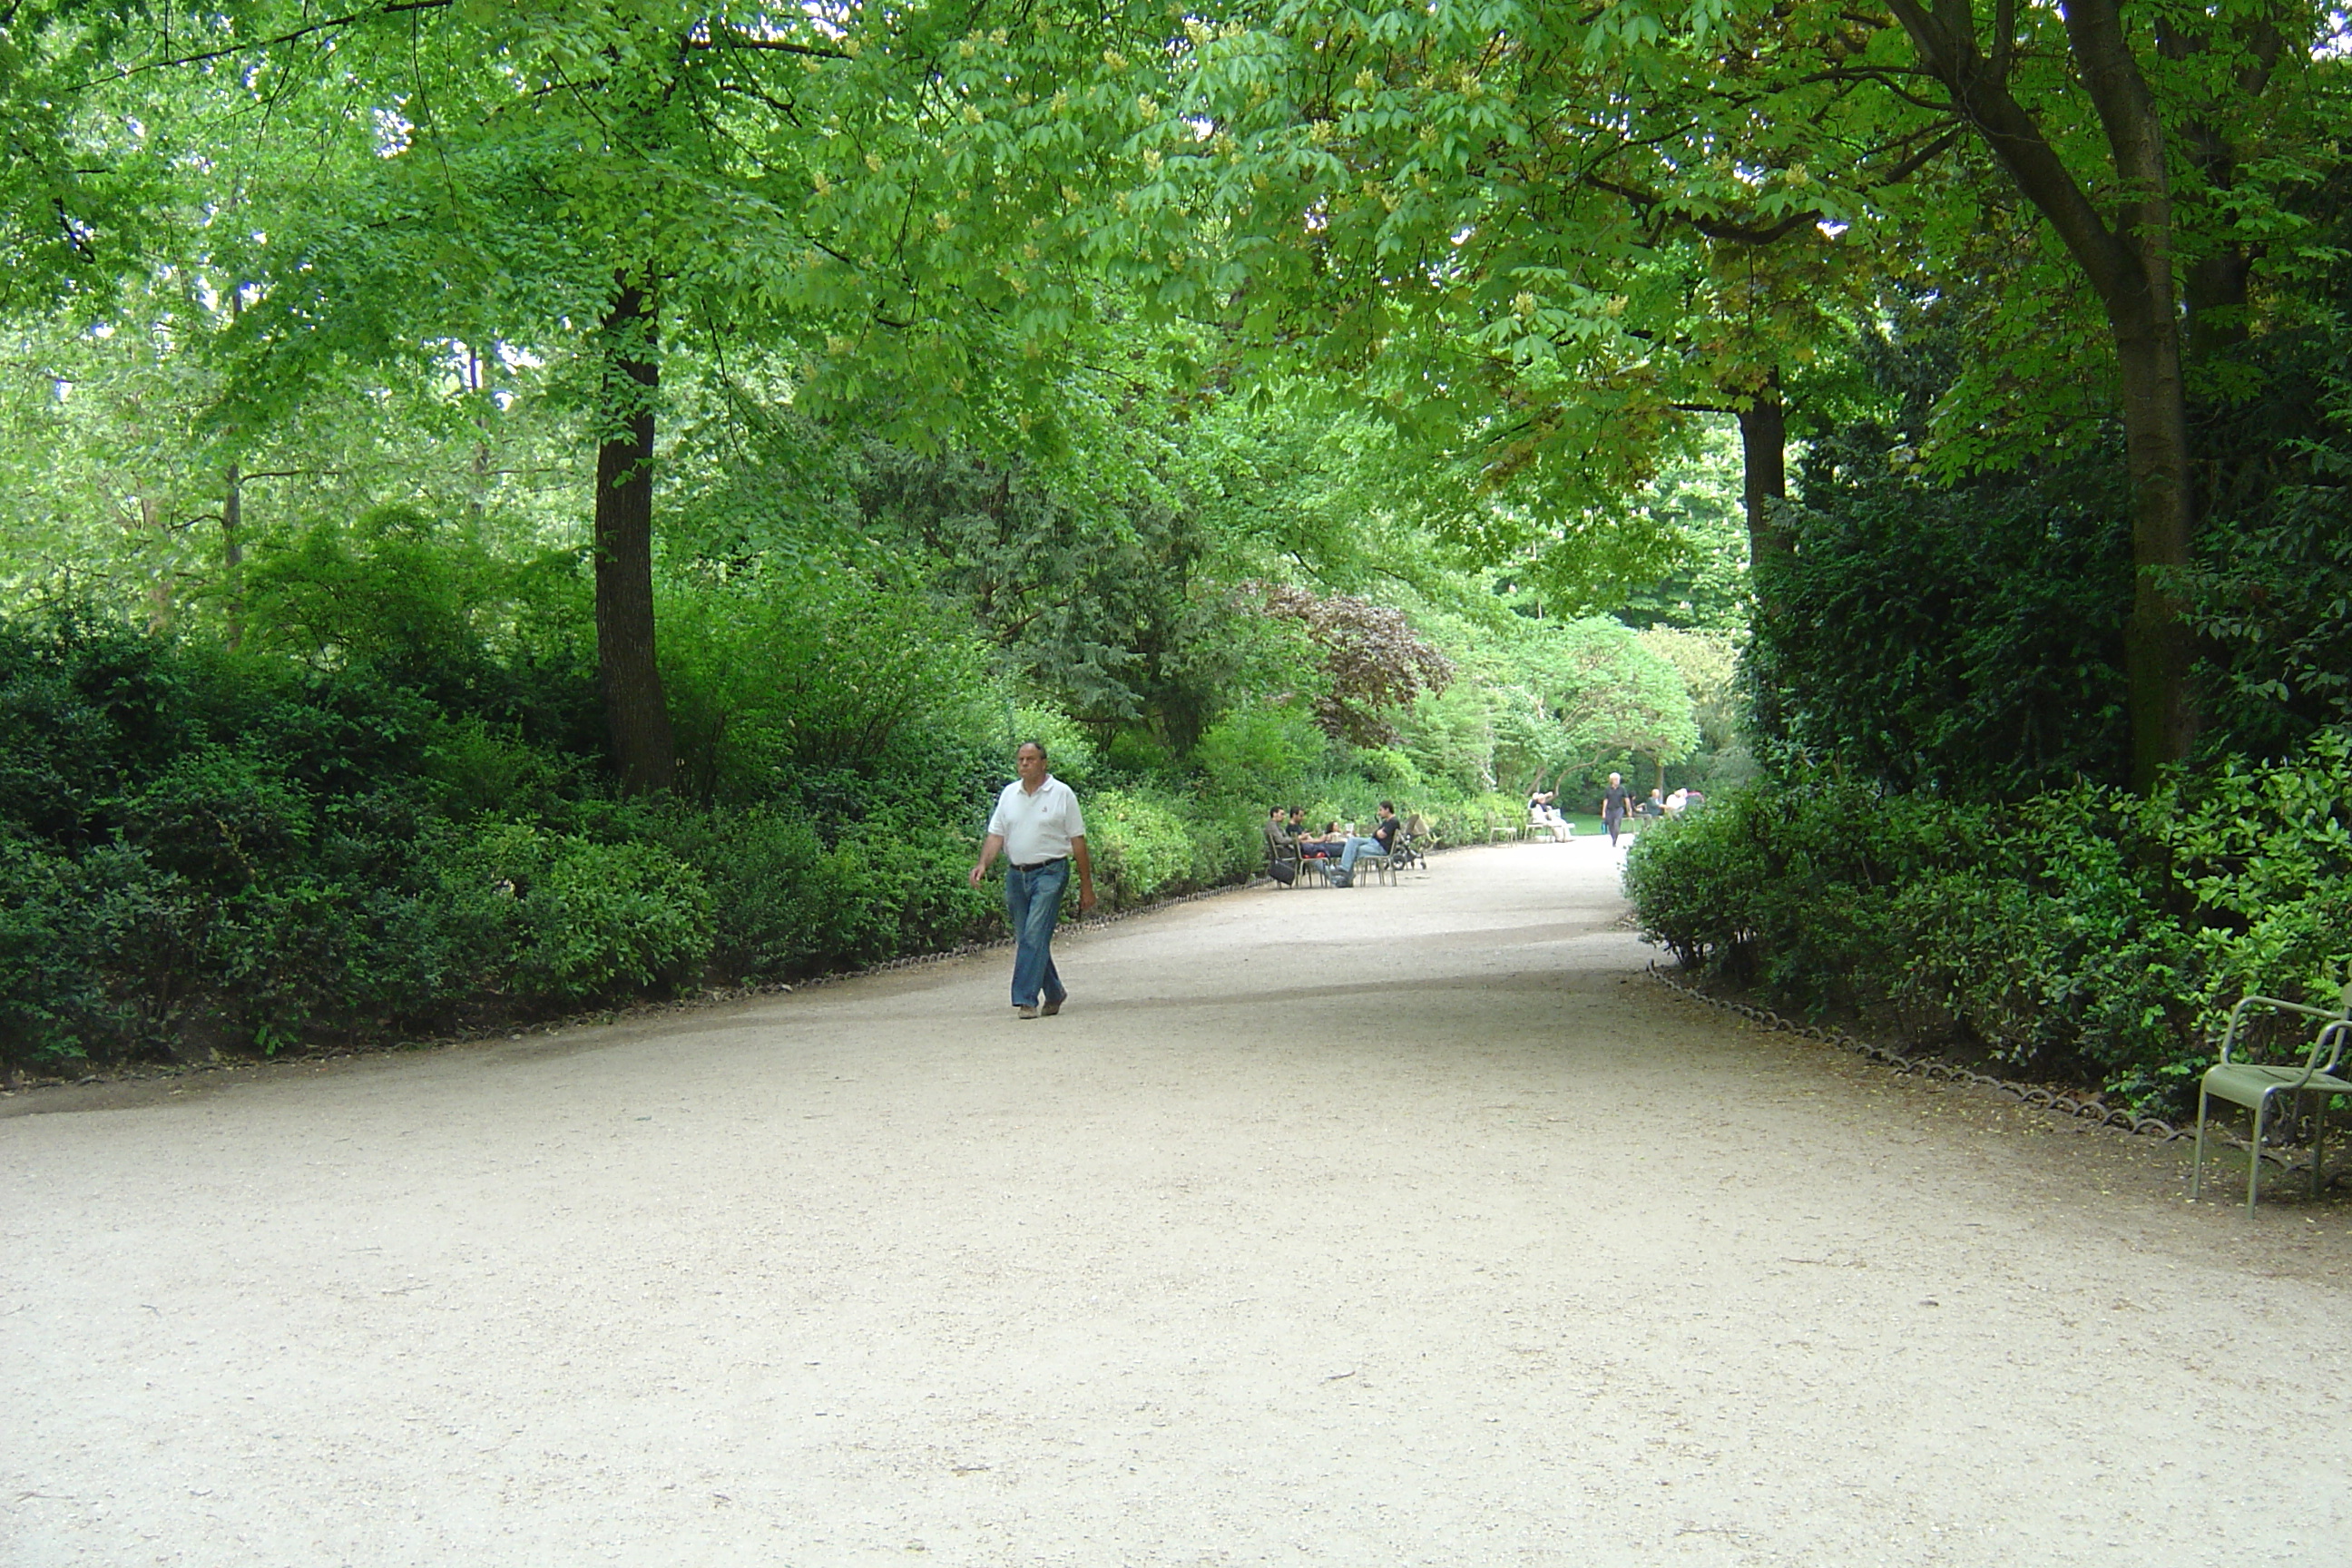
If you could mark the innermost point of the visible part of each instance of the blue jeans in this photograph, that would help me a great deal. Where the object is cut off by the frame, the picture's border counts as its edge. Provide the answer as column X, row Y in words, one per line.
column 1355, row 846
column 1032, row 902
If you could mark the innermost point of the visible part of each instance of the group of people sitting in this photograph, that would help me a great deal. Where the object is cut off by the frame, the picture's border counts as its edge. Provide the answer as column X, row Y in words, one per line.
column 1337, row 846
column 1674, row 805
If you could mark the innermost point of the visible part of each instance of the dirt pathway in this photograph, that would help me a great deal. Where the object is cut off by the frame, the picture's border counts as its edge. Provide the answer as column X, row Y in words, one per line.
column 1385, row 1225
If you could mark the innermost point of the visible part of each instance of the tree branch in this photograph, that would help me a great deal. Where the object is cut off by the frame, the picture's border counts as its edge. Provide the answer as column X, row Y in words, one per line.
column 2016, row 142
column 736, row 38
column 399, row 7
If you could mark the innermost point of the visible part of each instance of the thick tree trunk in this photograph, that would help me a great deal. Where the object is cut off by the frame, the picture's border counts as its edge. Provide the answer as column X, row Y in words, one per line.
column 2159, row 651
column 1764, row 470
column 2128, row 263
column 636, row 715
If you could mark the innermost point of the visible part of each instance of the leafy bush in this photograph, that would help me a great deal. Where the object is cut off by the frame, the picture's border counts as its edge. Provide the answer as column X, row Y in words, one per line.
column 89, row 946
column 341, row 841
column 768, row 667
column 1257, row 754
column 1965, row 639
column 1143, row 848
column 2090, row 932
column 1965, row 635
column 589, row 920
column 777, row 895
column 906, row 873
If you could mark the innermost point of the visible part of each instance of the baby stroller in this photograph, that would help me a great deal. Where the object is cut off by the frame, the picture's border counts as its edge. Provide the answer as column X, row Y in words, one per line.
column 1406, row 853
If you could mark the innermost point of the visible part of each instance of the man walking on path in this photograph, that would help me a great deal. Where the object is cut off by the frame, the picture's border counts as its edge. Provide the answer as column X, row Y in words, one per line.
column 1037, row 824
column 1613, row 807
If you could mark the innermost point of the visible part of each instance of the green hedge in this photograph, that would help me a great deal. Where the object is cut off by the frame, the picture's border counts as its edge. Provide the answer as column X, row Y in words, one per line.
column 2091, row 932
column 203, row 852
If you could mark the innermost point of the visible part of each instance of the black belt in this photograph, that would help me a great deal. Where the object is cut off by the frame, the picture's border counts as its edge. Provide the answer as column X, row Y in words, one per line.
column 1040, row 865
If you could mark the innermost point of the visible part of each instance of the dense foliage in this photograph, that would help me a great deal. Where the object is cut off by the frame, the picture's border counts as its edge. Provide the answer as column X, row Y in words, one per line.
column 2089, row 933
column 386, row 811
column 1963, row 634
column 1937, row 683
column 1962, row 639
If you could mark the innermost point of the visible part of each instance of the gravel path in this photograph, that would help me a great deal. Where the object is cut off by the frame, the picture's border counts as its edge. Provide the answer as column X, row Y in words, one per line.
column 1385, row 1225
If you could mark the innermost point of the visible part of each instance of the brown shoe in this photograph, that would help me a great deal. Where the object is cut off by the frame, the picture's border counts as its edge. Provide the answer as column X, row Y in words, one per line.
column 1024, row 1012
column 1050, row 1008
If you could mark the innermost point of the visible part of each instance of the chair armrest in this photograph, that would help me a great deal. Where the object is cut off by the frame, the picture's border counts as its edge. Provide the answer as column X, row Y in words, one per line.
column 2332, row 1039
column 2337, row 1020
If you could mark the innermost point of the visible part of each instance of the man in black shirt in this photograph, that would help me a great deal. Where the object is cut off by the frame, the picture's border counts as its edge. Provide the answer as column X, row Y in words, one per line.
column 1613, row 801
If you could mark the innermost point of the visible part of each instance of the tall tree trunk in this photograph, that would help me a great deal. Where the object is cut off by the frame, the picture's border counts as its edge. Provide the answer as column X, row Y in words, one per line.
column 159, row 587
column 477, row 502
column 233, row 552
column 636, row 715
column 1764, row 470
column 2158, row 652
column 233, row 518
column 2129, row 266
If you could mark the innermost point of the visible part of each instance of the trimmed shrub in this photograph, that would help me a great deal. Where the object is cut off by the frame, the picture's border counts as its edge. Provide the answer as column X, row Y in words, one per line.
column 589, row 920
column 89, row 949
column 1143, row 849
column 2091, row 934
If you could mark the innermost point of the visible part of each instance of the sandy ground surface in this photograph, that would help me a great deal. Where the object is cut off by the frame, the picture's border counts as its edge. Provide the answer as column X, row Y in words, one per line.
column 1383, row 1226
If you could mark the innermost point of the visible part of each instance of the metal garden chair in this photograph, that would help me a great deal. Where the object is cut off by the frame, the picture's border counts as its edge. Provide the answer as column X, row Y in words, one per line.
column 1282, row 854
column 2255, row 1084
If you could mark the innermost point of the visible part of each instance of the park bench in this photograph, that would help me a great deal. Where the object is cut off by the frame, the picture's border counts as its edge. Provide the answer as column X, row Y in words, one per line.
column 2240, row 1080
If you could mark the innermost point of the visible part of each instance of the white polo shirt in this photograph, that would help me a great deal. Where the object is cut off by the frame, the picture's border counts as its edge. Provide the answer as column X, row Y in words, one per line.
column 1038, row 826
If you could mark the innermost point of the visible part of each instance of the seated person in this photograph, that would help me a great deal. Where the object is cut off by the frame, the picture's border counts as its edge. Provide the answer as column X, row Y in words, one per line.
column 1281, row 849
column 1385, row 831
column 1323, row 845
column 1653, row 807
column 1350, row 845
column 1543, row 814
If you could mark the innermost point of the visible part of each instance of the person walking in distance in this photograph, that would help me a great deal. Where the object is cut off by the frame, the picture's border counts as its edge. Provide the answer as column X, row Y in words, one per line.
column 1613, row 801
column 1037, row 825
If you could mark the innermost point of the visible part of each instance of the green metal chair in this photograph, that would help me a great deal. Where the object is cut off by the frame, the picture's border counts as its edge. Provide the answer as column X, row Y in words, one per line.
column 2254, row 1084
